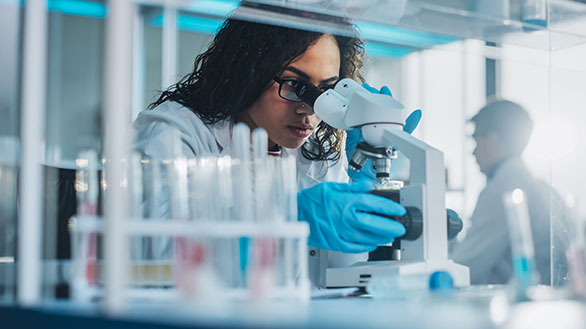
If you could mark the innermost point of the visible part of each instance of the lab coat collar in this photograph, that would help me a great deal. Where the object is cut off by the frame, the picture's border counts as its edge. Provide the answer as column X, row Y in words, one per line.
column 309, row 173
column 222, row 131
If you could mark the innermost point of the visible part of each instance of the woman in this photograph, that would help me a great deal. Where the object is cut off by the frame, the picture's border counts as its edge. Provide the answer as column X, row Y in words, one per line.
column 248, row 75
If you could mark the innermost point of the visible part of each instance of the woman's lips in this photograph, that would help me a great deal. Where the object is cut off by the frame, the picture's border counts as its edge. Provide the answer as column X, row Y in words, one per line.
column 301, row 131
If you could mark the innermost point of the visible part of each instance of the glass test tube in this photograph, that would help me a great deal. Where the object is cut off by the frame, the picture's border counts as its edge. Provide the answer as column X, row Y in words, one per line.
column 576, row 258
column 521, row 238
column 84, row 249
column 289, row 174
column 262, row 278
column 243, row 195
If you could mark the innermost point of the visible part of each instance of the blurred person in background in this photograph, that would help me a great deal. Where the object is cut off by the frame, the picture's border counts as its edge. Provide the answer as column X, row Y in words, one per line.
column 502, row 131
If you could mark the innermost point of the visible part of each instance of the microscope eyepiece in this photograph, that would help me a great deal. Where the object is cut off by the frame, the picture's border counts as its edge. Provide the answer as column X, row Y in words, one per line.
column 307, row 92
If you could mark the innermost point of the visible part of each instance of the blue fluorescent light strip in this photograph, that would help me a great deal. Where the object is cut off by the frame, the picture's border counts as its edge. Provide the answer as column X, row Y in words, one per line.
column 376, row 49
column 195, row 24
column 396, row 35
column 78, row 8
column 221, row 8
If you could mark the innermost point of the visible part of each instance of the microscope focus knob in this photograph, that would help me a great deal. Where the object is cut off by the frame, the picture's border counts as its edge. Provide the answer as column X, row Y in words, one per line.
column 455, row 224
column 413, row 222
column 413, row 218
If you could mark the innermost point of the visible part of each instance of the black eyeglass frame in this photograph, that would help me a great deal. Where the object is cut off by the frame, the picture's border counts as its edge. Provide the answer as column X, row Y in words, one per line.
column 281, row 81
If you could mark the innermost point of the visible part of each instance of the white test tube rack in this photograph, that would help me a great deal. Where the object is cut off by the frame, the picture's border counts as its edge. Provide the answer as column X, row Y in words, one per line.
column 298, row 289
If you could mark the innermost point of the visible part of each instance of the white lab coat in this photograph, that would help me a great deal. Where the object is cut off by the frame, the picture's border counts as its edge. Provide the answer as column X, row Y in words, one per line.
column 158, row 129
column 486, row 248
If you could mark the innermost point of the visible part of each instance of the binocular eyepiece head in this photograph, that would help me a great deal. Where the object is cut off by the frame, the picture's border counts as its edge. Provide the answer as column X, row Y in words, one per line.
column 307, row 92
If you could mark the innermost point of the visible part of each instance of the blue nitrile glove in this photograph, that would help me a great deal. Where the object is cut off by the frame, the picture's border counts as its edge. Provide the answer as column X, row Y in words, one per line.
column 354, row 136
column 338, row 219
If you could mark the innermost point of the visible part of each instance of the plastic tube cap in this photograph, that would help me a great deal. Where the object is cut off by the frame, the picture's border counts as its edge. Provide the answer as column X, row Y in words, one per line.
column 441, row 281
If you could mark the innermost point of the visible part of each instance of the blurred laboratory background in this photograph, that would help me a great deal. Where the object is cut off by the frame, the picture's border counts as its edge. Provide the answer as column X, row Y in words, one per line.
column 446, row 57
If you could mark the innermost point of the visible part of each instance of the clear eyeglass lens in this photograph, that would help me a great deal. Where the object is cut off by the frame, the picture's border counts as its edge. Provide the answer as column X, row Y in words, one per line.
column 288, row 90
column 290, row 95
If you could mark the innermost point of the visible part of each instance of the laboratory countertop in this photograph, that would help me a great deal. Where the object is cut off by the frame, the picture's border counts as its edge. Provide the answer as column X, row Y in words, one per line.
column 320, row 312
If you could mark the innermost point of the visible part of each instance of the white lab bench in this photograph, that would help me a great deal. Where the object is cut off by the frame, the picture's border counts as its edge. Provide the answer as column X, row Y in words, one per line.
column 321, row 312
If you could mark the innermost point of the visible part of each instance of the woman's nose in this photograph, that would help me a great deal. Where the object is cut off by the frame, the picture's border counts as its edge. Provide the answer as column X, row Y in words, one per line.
column 303, row 108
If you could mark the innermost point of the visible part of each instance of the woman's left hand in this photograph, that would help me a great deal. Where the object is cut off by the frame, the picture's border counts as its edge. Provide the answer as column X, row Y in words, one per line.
column 354, row 136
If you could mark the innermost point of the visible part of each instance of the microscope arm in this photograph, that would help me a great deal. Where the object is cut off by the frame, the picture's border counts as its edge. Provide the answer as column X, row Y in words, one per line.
column 426, row 161
column 426, row 171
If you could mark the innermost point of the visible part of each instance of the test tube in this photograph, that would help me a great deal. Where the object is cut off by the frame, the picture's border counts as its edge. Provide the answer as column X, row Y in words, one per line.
column 156, row 203
column 153, row 209
column 87, row 182
column 576, row 258
column 85, row 244
column 522, row 249
column 176, row 179
column 263, row 276
column 225, row 262
column 243, row 170
column 225, row 191
column 135, row 184
column 139, row 244
column 177, row 182
column 289, row 174
column 260, row 143
column 261, row 176
column 202, row 189
column 176, row 170
column 243, row 193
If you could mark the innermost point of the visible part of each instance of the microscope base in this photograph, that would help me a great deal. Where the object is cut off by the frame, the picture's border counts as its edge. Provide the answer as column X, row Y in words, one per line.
column 360, row 273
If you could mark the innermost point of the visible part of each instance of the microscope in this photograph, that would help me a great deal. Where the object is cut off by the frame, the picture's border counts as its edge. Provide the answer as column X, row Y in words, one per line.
column 424, row 247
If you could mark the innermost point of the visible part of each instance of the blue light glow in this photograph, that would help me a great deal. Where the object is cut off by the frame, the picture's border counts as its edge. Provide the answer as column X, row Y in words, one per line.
column 400, row 36
column 377, row 49
column 78, row 8
column 221, row 8
column 195, row 24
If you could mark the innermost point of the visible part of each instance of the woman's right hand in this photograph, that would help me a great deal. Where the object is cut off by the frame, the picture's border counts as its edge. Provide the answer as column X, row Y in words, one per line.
column 340, row 217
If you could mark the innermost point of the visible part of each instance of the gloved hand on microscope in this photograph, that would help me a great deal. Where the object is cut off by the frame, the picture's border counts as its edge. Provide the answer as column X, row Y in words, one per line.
column 340, row 217
column 354, row 136
column 346, row 217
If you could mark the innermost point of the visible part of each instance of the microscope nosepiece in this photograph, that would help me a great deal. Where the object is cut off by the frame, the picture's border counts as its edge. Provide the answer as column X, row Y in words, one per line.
column 357, row 161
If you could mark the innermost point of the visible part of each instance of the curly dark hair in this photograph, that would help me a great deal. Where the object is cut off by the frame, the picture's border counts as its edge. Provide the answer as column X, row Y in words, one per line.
column 239, row 66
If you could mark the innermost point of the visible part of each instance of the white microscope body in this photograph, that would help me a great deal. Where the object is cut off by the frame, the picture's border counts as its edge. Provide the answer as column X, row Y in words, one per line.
column 381, row 118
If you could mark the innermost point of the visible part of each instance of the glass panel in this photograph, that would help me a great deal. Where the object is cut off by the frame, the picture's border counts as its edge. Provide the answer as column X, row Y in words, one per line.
column 518, row 22
column 195, row 35
column 10, row 25
column 152, row 20
column 73, row 124
column 565, row 145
